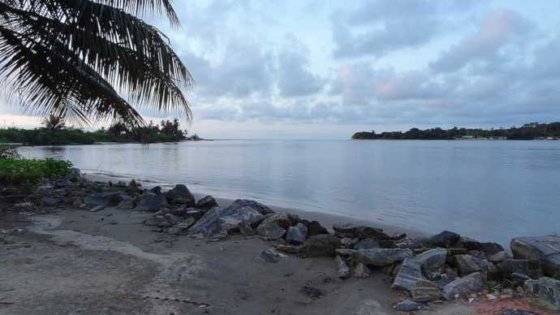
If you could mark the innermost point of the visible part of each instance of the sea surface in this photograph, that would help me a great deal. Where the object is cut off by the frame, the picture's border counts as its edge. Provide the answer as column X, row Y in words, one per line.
column 489, row 190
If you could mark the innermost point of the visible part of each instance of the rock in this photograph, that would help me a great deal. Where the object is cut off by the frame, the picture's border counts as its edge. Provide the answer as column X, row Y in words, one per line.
column 510, row 266
column 151, row 202
column 429, row 264
column 127, row 202
column 207, row 203
column 180, row 195
column 103, row 199
column 408, row 306
column 181, row 228
column 472, row 283
column 361, row 271
column 366, row 243
column 408, row 275
column 355, row 231
column 380, row 257
column 467, row 264
column 498, row 257
column 315, row 228
column 342, row 268
column 156, row 190
column 547, row 289
column 74, row 175
column 519, row 278
column 432, row 262
column 545, row 249
column 488, row 248
column 426, row 291
column 296, row 234
column 50, row 202
column 246, row 229
column 194, row 212
column 224, row 220
column 271, row 255
column 444, row 239
column 322, row 245
column 274, row 226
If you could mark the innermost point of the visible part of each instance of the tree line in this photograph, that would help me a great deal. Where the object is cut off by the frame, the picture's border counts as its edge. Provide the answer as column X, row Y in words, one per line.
column 530, row 131
column 55, row 132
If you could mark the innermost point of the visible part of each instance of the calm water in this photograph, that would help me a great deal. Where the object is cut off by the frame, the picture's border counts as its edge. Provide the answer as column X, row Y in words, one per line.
column 489, row 190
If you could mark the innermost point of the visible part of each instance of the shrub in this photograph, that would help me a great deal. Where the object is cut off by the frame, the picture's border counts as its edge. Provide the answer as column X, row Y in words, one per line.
column 24, row 172
column 7, row 152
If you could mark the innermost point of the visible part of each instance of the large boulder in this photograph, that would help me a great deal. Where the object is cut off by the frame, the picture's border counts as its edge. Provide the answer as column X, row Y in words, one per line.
column 380, row 257
column 224, row 220
column 358, row 231
column 472, row 283
column 443, row 239
column 315, row 228
column 322, row 245
column 151, row 202
column 274, row 226
column 487, row 248
column 427, row 265
column 180, row 195
column 366, row 243
column 545, row 249
column 206, row 203
column 547, row 289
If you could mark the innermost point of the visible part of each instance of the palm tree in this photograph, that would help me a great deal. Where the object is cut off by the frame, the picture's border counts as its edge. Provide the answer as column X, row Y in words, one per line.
column 80, row 57
column 54, row 123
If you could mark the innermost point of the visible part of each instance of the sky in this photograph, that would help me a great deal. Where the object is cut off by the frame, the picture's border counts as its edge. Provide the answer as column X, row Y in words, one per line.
column 320, row 69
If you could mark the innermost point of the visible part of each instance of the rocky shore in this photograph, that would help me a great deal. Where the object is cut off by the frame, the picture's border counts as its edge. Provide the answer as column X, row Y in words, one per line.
column 423, row 271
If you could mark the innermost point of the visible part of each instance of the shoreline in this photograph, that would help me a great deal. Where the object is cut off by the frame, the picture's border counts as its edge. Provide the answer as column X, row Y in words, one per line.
column 326, row 219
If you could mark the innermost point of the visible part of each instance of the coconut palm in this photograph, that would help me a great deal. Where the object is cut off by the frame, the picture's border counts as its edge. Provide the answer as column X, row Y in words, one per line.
column 90, row 59
column 54, row 123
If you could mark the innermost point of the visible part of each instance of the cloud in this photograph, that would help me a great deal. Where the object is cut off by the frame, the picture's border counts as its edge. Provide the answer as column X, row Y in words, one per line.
column 293, row 73
column 497, row 30
column 376, row 28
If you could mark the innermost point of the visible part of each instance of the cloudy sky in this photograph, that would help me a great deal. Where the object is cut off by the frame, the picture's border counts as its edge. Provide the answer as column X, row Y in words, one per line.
column 324, row 69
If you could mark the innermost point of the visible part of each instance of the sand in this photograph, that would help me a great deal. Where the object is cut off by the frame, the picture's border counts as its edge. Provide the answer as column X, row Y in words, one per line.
column 79, row 262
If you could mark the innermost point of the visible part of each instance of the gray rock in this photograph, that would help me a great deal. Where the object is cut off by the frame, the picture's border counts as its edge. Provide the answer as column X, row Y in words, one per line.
column 171, row 218
column 322, row 245
column 74, row 175
column 408, row 275
column 356, row 231
column 444, row 239
column 380, row 257
column 207, row 203
column 545, row 249
column 488, row 248
column 156, row 190
column 408, row 306
column 498, row 257
column 180, row 195
column 467, row 264
column 223, row 220
column 194, row 212
column 427, row 265
column 246, row 229
column 426, row 291
column 274, row 226
column 366, row 243
column 510, row 266
column 472, row 283
column 257, row 206
column 271, row 255
column 151, row 202
column 181, row 228
column 297, row 234
column 342, row 268
column 361, row 271
column 547, row 289
column 315, row 228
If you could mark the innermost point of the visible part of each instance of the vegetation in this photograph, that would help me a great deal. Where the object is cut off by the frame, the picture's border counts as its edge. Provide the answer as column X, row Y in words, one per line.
column 21, row 172
column 55, row 133
column 69, row 58
column 529, row 131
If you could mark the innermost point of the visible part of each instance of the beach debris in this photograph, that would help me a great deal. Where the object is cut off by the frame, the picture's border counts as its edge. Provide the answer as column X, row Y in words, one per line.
column 206, row 203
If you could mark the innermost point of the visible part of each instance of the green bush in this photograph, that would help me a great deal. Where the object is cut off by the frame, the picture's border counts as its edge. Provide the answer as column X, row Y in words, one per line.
column 7, row 152
column 31, row 172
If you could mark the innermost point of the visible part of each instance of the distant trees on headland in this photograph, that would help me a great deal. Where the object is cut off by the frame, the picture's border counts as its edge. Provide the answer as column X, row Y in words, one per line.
column 530, row 131
column 55, row 132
